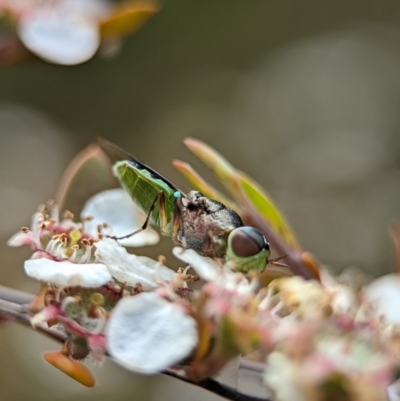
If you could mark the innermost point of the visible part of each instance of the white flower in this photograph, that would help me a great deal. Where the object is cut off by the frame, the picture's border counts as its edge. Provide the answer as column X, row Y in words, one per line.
column 63, row 32
column 132, row 269
column 70, row 32
column 58, row 35
column 112, row 209
column 394, row 391
column 148, row 334
column 68, row 274
column 305, row 365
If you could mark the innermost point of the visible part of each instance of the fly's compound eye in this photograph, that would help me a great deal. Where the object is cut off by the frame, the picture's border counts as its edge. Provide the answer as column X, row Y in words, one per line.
column 247, row 241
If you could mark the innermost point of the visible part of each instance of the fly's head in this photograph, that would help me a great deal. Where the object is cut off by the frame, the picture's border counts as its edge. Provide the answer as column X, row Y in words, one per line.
column 248, row 249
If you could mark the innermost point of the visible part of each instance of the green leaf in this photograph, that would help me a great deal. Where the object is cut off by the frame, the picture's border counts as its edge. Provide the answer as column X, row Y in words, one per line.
column 266, row 208
column 203, row 186
column 224, row 171
column 244, row 190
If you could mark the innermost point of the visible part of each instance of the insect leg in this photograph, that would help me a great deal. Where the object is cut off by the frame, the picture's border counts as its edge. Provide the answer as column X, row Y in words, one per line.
column 162, row 215
column 159, row 198
column 177, row 223
column 276, row 261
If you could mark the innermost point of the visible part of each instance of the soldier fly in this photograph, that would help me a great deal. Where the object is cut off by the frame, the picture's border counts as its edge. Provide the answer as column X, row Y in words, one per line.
column 192, row 220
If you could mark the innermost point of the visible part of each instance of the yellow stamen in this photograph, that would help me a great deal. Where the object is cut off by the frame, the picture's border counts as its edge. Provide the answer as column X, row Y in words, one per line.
column 97, row 299
column 74, row 237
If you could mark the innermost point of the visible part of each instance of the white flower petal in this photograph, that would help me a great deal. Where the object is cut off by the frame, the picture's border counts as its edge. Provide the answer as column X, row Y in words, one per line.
column 206, row 268
column 161, row 272
column 20, row 239
column 344, row 299
column 209, row 270
column 131, row 269
column 59, row 35
column 36, row 220
column 68, row 274
column 281, row 378
column 147, row 334
column 116, row 208
column 385, row 292
column 393, row 391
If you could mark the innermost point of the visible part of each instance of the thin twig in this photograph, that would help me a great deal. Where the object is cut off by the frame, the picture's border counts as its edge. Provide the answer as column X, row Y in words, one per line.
column 216, row 388
column 18, row 297
column 14, row 304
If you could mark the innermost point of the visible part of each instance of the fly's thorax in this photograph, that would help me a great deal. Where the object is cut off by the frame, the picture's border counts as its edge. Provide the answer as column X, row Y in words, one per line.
column 248, row 249
column 198, row 200
column 226, row 218
column 199, row 230
column 206, row 224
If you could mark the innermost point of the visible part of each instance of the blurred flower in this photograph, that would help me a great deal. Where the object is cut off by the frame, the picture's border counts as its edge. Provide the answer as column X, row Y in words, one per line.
column 384, row 295
column 330, row 362
column 304, row 299
column 344, row 298
column 394, row 391
column 147, row 333
column 322, row 341
column 70, row 32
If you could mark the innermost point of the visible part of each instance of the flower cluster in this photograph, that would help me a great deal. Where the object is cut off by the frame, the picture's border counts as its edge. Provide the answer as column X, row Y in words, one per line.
column 315, row 340
column 84, row 275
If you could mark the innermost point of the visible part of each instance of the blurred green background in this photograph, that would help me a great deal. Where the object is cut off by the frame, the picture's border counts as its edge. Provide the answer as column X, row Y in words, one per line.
column 303, row 96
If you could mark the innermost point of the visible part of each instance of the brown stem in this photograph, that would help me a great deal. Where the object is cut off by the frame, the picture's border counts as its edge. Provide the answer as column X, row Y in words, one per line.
column 14, row 304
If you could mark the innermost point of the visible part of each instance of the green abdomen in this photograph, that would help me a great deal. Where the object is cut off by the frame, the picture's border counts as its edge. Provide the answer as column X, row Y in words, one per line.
column 143, row 189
